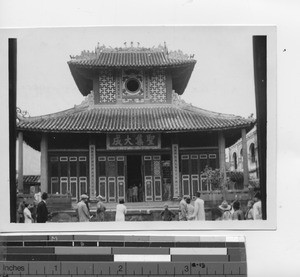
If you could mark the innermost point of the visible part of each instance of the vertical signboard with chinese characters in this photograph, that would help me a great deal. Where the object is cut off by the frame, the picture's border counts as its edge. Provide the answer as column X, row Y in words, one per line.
column 92, row 171
column 175, row 158
column 121, row 141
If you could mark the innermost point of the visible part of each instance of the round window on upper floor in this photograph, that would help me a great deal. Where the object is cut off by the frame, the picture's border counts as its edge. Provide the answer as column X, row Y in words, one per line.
column 133, row 85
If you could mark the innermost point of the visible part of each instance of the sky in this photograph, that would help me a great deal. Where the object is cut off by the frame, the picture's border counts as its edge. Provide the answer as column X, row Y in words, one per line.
column 222, row 80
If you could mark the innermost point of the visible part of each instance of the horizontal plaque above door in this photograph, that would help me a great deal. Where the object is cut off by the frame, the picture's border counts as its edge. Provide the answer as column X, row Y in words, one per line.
column 133, row 141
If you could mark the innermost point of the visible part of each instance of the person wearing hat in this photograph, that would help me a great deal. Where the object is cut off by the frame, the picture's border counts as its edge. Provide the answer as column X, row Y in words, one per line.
column 82, row 210
column 225, row 209
column 166, row 214
column 100, row 208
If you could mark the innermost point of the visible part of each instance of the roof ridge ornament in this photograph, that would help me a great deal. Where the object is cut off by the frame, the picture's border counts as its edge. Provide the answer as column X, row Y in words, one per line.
column 21, row 114
column 86, row 54
column 178, row 101
column 179, row 55
column 87, row 102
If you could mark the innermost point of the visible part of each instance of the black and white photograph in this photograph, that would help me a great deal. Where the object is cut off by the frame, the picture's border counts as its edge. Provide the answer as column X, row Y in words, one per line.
column 143, row 124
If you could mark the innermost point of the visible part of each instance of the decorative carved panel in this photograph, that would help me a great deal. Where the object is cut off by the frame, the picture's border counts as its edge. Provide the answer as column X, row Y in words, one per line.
column 107, row 89
column 157, row 87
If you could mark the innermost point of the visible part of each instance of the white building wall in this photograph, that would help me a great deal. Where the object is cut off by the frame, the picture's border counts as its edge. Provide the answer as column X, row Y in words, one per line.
column 253, row 166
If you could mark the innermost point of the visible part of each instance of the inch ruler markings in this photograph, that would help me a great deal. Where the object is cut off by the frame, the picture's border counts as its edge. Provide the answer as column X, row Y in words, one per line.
column 96, row 255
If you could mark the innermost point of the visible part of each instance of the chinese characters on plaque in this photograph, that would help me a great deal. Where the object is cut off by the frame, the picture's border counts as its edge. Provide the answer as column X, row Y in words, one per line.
column 133, row 141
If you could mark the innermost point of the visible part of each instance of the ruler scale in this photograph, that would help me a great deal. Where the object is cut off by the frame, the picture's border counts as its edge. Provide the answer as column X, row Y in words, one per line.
column 93, row 255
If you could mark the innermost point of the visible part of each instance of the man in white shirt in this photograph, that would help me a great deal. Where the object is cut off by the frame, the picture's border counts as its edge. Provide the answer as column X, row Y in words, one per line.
column 257, row 213
column 199, row 212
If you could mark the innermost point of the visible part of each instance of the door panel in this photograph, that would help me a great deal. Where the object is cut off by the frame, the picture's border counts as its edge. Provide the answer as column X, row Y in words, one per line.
column 153, row 178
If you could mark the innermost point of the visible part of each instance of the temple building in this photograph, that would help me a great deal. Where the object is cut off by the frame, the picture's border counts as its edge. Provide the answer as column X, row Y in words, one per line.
column 132, row 130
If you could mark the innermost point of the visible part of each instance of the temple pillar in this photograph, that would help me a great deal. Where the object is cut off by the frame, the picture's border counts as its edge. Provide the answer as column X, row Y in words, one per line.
column 92, row 157
column 245, row 158
column 20, row 162
column 222, row 162
column 44, row 163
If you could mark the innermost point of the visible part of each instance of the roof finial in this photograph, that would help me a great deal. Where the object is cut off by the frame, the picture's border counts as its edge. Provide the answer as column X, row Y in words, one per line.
column 138, row 45
column 165, row 48
column 131, row 44
column 125, row 43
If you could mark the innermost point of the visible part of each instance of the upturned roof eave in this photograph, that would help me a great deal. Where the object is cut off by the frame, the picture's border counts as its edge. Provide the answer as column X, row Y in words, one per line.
column 183, row 130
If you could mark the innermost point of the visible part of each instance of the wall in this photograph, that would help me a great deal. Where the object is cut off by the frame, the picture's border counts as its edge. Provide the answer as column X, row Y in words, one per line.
column 156, row 87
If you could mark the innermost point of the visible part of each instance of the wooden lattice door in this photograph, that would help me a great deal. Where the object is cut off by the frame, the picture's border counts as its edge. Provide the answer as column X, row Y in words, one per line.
column 152, row 178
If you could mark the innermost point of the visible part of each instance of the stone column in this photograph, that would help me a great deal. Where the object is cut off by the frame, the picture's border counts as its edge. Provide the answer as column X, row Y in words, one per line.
column 44, row 163
column 20, row 162
column 92, row 169
column 222, row 162
column 245, row 158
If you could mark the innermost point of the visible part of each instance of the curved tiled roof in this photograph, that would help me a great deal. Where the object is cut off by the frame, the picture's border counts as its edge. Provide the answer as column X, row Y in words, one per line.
column 167, row 117
column 131, row 59
column 87, row 64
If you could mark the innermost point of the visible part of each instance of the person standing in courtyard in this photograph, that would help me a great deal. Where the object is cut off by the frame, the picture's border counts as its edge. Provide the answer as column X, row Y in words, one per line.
column 27, row 214
column 199, row 211
column 249, row 212
column 225, row 208
column 257, row 212
column 100, row 208
column 238, row 213
column 166, row 214
column 20, row 210
column 135, row 193
column 42, row 210
column 190, row 209
column 82, row 209
column 183, row 209
column 121, row 210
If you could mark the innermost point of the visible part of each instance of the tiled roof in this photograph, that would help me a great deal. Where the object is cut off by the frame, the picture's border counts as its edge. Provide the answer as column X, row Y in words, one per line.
column 133, row 118
column 129, row 59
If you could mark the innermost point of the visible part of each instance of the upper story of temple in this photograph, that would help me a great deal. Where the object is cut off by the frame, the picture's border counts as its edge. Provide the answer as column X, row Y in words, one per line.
column 132, row 75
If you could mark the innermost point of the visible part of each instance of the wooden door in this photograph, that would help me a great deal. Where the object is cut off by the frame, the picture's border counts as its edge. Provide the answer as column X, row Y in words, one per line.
column 152, row 178
column 111, row 177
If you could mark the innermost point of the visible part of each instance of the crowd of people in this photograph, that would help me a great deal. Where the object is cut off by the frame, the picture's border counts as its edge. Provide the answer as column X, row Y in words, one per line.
column 33, row 212
column 225, row 211
column 188, row 210
column 83, row 210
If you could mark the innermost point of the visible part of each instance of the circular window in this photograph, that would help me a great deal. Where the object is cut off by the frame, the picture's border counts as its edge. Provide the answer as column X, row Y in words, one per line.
column 132, row 85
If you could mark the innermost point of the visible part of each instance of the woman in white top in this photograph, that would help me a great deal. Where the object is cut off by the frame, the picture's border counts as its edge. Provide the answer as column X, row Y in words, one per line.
column 27, row 214
column 121, row 210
